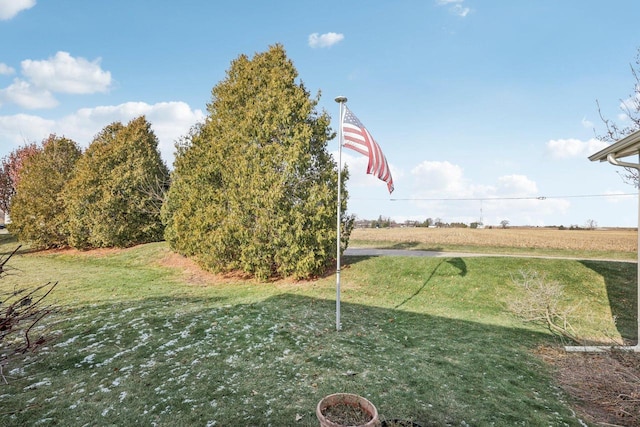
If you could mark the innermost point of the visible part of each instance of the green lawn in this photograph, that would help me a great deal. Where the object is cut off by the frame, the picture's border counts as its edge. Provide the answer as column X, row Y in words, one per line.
column 427, row 339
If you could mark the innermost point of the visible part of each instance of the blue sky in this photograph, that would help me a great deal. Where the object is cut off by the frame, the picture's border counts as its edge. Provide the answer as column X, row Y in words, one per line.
column 488, row 101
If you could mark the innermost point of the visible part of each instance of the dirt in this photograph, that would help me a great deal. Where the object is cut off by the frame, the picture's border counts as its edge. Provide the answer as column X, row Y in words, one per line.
column 347, row 415
column 604, row 387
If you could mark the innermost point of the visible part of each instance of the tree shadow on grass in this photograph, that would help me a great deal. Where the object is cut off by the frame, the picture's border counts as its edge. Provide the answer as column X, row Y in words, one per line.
column 621, row 282
column 206, row 360
column 457, row 262
column 348, row 260
column 404, row 245
column 12, row 241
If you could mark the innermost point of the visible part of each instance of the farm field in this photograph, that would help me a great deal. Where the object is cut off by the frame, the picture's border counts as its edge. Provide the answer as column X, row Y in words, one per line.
column 144, row 337
column 599, row 243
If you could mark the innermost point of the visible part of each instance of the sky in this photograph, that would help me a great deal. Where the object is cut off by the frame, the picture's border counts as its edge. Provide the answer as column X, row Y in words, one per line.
column 485, row 110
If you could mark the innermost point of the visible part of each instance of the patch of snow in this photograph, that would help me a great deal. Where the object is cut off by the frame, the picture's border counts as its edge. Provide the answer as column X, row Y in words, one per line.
column 44, row 382
column 89, row 359
column 67, row 342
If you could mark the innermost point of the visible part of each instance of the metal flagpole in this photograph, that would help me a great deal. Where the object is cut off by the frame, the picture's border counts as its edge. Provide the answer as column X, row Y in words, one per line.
column 340, row 100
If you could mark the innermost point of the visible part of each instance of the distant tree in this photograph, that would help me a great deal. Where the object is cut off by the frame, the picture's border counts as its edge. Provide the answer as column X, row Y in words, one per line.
column 504, row 223
column 37, row 209
column 107, row 201
column 10, row 169
column 254, row 188
column 591, row 224
column 630, row 108
column 382, row 222
column 458, row 225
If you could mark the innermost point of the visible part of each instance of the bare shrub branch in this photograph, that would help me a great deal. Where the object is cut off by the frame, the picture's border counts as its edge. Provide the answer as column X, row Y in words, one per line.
column 155, row 188
column 20, row 311
column 542, row 302
column 3, row 262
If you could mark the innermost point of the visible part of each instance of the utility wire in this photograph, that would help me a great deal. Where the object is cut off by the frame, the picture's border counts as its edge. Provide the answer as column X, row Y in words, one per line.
column 517, row 198
column 504, row 198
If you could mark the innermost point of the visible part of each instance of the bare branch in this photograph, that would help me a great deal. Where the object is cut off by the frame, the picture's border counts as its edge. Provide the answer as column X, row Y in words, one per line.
column 20, row 311
column 631, row 109
column 541, row 302
column 3, row 261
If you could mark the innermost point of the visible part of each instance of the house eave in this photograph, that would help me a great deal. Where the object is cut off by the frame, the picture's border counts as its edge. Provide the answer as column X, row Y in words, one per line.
column 627, row 146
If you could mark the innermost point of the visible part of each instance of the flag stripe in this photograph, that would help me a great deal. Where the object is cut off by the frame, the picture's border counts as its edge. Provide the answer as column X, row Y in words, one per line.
column 358, row 138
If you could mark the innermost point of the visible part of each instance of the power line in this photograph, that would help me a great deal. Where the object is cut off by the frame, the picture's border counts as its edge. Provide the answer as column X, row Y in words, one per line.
column 511, row 198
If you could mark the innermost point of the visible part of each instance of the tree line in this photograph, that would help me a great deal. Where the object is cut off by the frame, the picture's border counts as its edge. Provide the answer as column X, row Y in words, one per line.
column 253, row 188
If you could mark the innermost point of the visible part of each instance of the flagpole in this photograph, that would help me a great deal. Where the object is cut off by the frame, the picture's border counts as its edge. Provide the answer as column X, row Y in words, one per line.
column 340, row 100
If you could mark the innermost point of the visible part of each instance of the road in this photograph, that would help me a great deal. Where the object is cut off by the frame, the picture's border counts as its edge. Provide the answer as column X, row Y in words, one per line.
column 438, row 254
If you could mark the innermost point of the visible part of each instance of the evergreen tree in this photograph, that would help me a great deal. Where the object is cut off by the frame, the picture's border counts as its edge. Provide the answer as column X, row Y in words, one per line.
column 108, row 202
column 254, row 187
column 37, row 208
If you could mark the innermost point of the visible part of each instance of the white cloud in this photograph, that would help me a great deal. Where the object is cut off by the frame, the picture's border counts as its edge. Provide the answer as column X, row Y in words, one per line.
column 442, row 191
column 516, row 186
column 456, row 7
column 630, row 104
column 10, row 8
column 20, row 128
column 324, row 40
column 440, row 177
column 66, row 74
column 169, row 121
column 460, row 10
column 587, row 123
column 61, row 73
column 27, row 96
column 571, row 147
column 616, row 196
column 6, row 70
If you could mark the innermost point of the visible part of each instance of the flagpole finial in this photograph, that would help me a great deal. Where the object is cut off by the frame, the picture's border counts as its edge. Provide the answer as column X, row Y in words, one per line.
column 341, row 99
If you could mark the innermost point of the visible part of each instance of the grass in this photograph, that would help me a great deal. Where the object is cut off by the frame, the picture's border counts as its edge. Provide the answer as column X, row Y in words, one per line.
column 139, row 342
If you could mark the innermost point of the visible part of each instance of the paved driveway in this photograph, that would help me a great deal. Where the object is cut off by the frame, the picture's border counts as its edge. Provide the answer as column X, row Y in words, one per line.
column 406, row 252
column 438, row 254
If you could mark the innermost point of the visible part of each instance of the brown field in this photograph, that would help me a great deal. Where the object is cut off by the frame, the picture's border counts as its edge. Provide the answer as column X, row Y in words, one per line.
column 604, row 240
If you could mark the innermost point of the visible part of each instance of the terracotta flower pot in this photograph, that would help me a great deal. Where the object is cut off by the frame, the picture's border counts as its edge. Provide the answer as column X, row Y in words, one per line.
column 358, row 403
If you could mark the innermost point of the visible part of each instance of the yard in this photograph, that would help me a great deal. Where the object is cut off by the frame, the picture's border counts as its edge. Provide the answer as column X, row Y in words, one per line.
column 144, row 337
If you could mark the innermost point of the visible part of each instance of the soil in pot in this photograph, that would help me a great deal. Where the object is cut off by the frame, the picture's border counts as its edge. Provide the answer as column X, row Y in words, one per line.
column 346, row 409
column 346, row 414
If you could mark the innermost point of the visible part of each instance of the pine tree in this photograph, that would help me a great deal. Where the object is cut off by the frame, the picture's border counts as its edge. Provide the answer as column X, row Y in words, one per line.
column 37, row 208
column 254, row 187
column 108, row 202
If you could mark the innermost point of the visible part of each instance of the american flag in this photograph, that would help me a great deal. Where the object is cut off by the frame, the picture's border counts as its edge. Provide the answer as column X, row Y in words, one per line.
column 358, row 138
